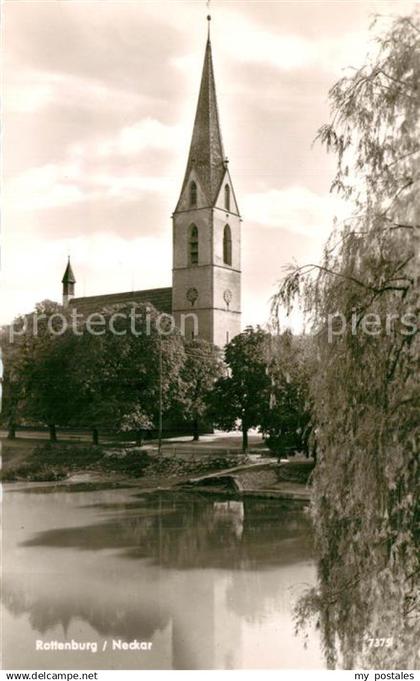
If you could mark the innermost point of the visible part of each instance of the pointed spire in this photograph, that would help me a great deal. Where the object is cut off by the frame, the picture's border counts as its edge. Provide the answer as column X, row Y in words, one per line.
column 206, row 151
column 68, row 282
column 68, row 277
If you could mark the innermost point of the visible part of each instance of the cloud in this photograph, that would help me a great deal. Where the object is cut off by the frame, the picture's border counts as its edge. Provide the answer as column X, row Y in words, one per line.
column 44, row 187
column 285, row 50
column 295, row 209
column 293, row 52
column 148, row 133
column 54, row 186
column 110, row 45
column 29, row 90
column 83, row 175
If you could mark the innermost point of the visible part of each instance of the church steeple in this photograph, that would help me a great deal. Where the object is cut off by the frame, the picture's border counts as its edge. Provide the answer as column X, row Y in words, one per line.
column 68, row 282
column 206, row 275
column 206, row 158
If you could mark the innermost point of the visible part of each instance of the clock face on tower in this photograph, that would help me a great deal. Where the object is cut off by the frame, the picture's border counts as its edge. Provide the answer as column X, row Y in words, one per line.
column 227, row 296
column 192, row 295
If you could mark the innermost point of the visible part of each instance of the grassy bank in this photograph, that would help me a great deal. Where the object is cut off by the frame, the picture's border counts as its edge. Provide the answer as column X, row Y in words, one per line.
column 44, row 462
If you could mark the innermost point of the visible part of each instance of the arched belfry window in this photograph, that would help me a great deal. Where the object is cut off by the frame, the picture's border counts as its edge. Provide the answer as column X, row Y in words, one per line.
column 193, row 246
column 227, row 245
column 193, row 194
column 227, row 197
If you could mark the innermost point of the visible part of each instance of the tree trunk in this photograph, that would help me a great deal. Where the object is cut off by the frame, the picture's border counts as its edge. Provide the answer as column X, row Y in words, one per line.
column 53, row 433
column 244, row 437
column 11, row 433
column 196, row 434
column 95, row 436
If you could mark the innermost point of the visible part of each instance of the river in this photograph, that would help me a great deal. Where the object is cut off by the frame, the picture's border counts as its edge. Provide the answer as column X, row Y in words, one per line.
column 204, row 583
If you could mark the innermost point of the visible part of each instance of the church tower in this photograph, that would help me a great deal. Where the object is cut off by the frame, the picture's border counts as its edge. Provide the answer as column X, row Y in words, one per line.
column 206, row 277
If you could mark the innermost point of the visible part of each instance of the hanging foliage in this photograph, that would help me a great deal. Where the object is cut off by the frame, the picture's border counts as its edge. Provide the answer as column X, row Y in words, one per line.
column 364, row 302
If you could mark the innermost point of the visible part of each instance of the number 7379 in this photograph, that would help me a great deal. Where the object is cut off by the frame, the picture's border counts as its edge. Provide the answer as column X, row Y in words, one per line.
column 379, row 642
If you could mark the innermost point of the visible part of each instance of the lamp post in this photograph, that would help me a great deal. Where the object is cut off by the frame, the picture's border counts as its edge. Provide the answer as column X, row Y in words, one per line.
column 160, row 396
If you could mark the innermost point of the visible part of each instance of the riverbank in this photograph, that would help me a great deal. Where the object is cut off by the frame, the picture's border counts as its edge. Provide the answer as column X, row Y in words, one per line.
column 225, row 472
column 56, row 462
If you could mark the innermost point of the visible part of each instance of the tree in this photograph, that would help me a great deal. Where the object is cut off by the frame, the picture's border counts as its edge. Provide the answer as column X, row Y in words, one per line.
column 364, row 299
column 286, row 416
column 203, row 366
column 240, row 394
column 116, row 373
column 102, row 373
column 40, row 364
column 12, row 404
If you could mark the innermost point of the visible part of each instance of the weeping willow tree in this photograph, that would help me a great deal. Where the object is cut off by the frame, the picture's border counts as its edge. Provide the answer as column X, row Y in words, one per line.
column 363, row 301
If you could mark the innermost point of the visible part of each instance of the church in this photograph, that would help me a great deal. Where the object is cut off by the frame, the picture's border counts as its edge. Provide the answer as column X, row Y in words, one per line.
column 206, row 237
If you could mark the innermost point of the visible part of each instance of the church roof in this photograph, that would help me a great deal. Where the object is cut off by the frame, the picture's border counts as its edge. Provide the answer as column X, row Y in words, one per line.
column 68, row 277
column 206, row 155
column 160, row 298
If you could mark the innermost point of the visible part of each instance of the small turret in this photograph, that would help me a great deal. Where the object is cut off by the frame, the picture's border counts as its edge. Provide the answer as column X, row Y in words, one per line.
column 68, row 282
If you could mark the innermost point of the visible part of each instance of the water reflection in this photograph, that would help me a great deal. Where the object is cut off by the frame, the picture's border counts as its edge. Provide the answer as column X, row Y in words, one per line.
column 186, row 531
column 211, row 583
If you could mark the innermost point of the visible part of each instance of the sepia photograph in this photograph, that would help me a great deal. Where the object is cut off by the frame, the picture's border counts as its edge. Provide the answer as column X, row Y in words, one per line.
column 210, row 338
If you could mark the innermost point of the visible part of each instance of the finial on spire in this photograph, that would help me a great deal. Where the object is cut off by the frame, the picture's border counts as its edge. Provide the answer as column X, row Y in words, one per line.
column 208, row 27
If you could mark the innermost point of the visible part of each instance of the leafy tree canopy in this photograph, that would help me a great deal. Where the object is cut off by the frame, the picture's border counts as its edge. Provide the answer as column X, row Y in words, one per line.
column 202, row 367
column 286, row 415
column 240, row 394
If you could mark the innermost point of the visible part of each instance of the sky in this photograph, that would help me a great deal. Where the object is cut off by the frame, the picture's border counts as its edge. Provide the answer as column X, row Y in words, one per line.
column 98, row 106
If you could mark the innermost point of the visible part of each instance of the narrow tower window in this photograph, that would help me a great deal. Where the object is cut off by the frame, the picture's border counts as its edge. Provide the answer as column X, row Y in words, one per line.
column 227, row 197
column 193, row 246
column 193, row 194
column 227, row 246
